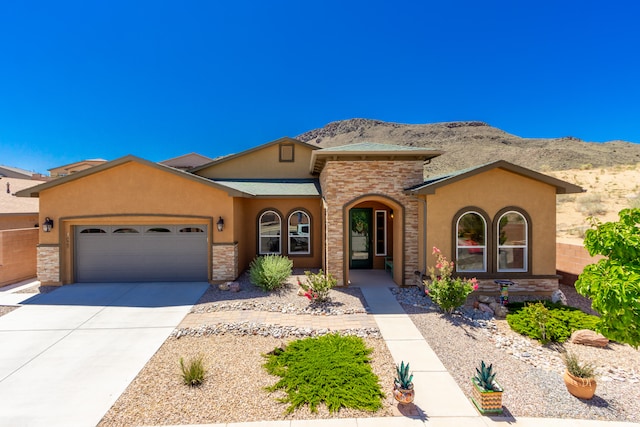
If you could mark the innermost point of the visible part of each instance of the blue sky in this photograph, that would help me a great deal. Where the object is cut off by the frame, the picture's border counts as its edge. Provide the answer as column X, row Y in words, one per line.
column 157, row 79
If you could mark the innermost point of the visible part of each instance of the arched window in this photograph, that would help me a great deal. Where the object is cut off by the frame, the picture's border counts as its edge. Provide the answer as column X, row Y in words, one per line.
column 299, row 233
column 513, row 246
column 471, row 243
column 269, row 232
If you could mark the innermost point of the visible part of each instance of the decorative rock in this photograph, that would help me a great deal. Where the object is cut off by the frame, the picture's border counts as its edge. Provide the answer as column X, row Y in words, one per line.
column 234, row 287
column 486, row 299
column 558, row 296
column 588, row 337
column 301, row 292
column 223, row 286
column 501, row 312
column 485, row 308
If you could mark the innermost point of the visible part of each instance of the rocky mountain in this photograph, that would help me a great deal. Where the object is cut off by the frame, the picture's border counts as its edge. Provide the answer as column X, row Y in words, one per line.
column 469, row 144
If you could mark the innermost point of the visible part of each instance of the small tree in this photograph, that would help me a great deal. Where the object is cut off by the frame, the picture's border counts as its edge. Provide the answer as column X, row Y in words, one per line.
column 613, row 283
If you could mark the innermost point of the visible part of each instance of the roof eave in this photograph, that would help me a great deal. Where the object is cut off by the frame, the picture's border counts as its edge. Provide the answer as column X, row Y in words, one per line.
column 319, row 158
column 35, row 191
column 562, row 187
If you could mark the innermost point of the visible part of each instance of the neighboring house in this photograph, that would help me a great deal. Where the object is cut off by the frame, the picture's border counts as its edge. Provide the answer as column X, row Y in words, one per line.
column 362, row 205
column 187, row 161
column 17, row 212
column 75, row 167
column 11, row 172
column 18, row 235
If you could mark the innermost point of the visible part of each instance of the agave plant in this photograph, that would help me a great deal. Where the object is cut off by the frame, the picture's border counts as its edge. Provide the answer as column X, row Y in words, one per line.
column 403, row 380
column 486, row 378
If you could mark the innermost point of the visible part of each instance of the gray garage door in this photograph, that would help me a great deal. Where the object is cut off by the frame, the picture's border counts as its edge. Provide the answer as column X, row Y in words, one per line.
column 141, row 253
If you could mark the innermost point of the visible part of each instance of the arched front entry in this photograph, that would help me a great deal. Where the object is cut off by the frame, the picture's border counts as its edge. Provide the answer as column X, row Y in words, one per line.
column 374, row 236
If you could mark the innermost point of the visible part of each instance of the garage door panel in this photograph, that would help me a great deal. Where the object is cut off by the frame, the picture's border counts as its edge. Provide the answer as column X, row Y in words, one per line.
column 133, row 253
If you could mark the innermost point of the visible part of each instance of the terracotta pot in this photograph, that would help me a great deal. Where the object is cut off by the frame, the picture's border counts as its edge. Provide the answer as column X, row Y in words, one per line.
column 487, row 402
column 404, row 395
column 582, row 388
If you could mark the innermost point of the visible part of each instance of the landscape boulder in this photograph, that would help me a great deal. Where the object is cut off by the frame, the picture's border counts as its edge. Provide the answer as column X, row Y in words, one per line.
column 558, row 296
column 486, row 299
column 589, row 337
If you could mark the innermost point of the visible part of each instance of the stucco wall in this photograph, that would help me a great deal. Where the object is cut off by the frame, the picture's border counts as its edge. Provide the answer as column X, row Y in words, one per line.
column 263, row 163
column 346, row 184
column 131, row 193
column 492, row 191
column 571, row 259
column 246, row 222
column 15, row 221
column 17, row 255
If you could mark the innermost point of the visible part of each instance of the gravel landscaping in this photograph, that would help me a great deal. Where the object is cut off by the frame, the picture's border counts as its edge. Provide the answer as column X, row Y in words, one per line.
column 530, row 373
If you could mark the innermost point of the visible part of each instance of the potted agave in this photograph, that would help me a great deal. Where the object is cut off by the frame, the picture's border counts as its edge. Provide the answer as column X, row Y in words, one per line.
column 579, row 377
column 486, row 393
column 403, row 384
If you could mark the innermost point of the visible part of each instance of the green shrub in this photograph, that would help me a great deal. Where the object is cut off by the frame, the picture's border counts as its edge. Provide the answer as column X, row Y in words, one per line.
column 331, row 369
column 613, row 283
column 193, row 371
column 270, row 272
column 545, row 321
column 443, row 289
column 317, row 285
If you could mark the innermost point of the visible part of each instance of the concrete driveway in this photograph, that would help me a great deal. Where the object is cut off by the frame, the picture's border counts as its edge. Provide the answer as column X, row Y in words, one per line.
column 66, row 356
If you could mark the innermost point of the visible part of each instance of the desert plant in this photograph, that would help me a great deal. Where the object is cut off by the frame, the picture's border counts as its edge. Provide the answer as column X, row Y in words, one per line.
column 446, row 291
column 270, row 272
column 591, row 204
column 193, row 371
column 317, row 285
column 486, row 378
column 613, row 283
column 403, row 378
column 577, row 368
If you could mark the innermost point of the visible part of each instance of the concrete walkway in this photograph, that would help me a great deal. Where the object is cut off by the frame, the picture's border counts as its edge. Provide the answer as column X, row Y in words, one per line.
column 66, row 356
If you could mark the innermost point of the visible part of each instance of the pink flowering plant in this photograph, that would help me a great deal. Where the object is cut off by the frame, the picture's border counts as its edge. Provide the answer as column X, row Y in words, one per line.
column 446, row 291
column 317, row 285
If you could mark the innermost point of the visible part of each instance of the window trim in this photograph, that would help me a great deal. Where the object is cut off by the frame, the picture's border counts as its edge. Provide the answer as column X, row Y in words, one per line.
column 290, row 236
column 375, row 227
column 526, row 246
column 485, row 247
column 260, row 236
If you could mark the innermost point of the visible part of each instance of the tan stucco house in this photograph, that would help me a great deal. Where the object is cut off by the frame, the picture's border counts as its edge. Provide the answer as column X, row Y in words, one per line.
column 359, row 206
column 75, row 167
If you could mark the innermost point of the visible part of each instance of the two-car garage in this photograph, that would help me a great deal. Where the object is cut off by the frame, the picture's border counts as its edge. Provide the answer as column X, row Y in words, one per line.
column 141, row 253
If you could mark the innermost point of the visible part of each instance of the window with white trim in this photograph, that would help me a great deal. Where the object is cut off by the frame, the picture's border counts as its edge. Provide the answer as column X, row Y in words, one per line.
column 471, row 243
column 299, row 233
column 512, row 242
column 269, row 226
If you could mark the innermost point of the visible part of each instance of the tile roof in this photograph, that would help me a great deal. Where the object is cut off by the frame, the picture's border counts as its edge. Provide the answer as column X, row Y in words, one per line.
column 273, row 187
column 10, row 204
column 374, row 147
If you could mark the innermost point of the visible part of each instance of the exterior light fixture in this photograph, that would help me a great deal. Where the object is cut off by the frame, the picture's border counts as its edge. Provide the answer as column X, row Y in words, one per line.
column 391, row 213
column 47, row 225
column 220, row 224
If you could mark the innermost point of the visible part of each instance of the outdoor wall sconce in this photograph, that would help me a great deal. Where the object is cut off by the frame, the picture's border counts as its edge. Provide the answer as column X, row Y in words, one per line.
column 47, row 225
column 220, row 224
column 391, row 213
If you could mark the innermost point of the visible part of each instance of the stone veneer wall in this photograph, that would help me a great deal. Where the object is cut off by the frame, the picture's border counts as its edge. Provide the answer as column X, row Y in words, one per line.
column 344, row 181
column 49, row 264
column 224, row 262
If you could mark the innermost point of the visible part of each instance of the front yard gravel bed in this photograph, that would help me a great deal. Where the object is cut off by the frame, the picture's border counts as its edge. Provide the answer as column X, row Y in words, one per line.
column 530, row 373
column 233, row 390
column 285, row 300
